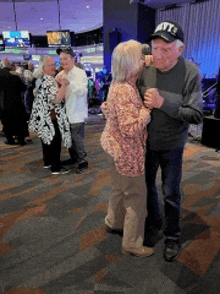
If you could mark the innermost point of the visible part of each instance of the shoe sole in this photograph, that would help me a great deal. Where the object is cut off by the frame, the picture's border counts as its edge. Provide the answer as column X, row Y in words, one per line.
column 114, row 231
column 60, row 173
column 170, row 259
column 133, row 254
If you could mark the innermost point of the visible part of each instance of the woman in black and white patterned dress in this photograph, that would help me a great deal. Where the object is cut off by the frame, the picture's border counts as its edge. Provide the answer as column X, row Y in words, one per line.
column 48, row 117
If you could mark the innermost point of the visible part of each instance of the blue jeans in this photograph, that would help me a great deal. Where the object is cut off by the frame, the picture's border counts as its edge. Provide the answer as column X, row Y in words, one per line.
column 170, row 163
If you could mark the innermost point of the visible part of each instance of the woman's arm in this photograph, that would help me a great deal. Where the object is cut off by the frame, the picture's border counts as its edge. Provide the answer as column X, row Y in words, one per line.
column 60, row 95
column 132, row 118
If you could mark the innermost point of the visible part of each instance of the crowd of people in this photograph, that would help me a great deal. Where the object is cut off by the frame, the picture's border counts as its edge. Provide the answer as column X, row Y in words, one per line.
column 148, row 100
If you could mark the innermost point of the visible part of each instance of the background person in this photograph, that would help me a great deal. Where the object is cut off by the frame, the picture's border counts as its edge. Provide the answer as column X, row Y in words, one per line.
column 171, row 87
column 48, row 117
column 146, row 54
column 13, row 114
column 124, row 140
column 76, row 106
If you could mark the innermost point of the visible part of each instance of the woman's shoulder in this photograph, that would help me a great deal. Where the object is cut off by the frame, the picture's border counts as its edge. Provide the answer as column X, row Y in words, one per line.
column 125, row 87
column 48, row 78
column 124, row 90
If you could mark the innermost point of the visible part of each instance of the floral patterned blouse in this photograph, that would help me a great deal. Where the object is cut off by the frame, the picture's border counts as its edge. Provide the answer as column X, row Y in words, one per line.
column 125, row 133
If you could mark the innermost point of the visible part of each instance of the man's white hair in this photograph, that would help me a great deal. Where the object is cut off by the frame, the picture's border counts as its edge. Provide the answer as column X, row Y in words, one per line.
column 178, row 43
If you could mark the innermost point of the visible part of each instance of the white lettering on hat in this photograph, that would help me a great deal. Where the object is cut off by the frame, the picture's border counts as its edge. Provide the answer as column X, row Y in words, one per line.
column 166, row 26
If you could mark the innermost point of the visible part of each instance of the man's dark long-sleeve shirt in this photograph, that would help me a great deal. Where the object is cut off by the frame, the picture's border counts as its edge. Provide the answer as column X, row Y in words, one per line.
column 181, row 89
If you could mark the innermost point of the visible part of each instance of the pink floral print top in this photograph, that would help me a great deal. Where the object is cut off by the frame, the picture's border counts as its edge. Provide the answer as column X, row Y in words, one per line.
column 125, row 133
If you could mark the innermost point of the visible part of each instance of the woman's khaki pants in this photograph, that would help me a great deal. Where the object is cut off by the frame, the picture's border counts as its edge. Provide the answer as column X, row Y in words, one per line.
column 127, row 207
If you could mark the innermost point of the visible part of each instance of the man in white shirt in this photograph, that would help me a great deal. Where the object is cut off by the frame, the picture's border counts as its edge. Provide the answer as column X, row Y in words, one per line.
column 76, row 105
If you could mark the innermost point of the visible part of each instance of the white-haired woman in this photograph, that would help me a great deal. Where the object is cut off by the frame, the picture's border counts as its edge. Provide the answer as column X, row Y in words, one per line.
column 124, row 139
column 48, row 117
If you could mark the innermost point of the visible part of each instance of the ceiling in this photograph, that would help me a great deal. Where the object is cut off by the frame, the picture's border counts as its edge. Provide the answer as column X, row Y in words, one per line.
column 42, row 15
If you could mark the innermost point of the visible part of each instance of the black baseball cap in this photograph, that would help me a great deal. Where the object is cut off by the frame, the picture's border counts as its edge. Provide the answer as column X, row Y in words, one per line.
column 169, row 31
column 67, row 50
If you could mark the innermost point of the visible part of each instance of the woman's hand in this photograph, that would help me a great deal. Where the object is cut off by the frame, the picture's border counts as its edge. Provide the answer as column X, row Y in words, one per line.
column 148, row 60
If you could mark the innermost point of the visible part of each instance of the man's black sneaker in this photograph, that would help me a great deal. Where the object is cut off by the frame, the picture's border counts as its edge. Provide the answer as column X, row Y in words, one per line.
column 82, row 167
column 171, row 249
column 69, row 161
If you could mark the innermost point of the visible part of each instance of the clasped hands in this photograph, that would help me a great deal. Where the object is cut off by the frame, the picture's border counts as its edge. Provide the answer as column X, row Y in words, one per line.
column 62, row 81
column 152, row 99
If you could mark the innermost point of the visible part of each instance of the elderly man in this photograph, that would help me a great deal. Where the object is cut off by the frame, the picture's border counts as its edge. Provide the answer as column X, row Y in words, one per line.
column 76, row 106
column 171, row 88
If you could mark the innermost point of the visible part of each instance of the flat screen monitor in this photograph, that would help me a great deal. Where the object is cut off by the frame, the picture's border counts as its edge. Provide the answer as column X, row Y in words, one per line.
column 16, row 39
column 35, row 57
column 58, row 38
column 2, row 44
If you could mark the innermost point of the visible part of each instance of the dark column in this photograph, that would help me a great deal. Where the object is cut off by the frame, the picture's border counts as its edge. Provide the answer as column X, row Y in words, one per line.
column 217, row 107
column 130, row 19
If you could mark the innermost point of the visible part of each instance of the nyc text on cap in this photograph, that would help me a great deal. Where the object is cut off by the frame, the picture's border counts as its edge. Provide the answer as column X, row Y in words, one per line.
column 168, row 30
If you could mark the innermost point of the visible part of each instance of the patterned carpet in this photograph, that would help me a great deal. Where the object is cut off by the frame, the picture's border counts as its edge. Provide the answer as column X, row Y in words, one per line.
column 53, row 239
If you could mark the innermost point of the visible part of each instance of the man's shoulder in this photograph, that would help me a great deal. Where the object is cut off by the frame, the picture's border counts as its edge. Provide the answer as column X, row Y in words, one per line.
column 190, row 66
column 149, row 70
column 79, row 70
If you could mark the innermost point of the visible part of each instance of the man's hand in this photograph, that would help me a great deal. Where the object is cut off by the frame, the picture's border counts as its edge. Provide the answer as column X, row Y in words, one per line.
column 152, row 98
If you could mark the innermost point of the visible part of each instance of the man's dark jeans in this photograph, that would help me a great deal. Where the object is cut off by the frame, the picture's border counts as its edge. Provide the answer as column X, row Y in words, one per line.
column 170, row 163
column 77, row 151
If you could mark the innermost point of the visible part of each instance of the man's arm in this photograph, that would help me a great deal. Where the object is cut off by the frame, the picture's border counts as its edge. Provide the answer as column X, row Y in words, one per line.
column 187, row 107
column 190, row 109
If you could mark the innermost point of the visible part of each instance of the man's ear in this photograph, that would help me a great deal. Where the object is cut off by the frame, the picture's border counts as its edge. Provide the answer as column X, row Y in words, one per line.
column 180, row 49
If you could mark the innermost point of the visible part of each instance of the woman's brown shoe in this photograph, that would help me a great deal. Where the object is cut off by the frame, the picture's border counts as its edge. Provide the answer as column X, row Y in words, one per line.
column 142, row 251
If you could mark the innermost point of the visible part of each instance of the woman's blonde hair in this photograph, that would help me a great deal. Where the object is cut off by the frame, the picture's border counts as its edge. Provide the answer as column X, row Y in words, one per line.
column 126, row 61
column 40, row 70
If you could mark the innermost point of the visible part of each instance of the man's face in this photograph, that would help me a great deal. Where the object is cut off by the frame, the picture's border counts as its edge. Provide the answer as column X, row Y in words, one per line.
column 67, row 61
column 165, row 55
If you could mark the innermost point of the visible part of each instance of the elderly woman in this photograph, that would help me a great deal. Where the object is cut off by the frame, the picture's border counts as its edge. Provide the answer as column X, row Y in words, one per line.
column 48, row 117
column 124, row 139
